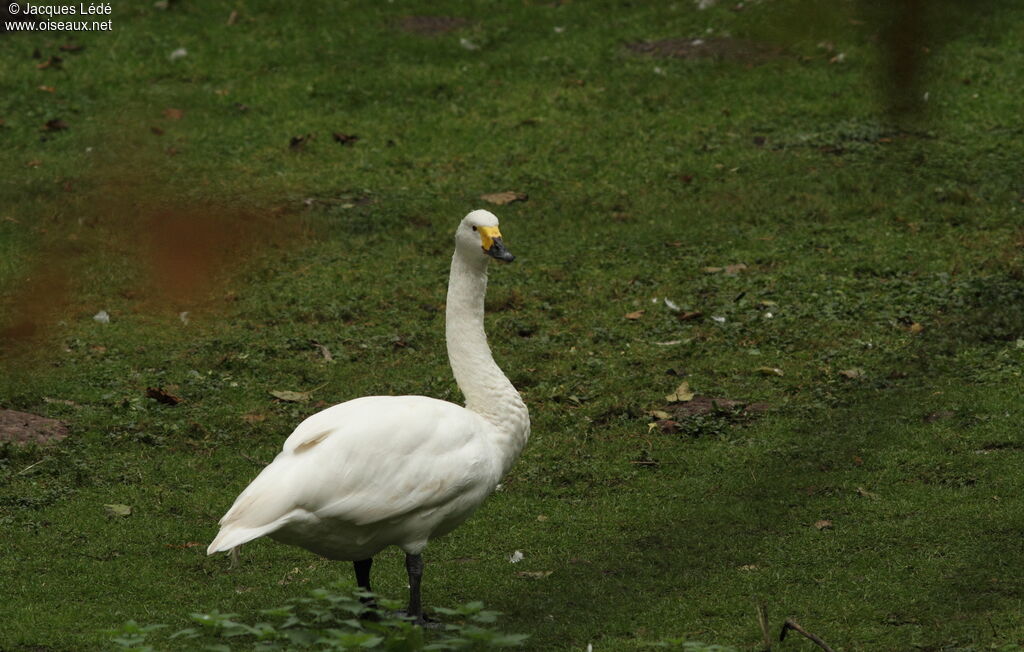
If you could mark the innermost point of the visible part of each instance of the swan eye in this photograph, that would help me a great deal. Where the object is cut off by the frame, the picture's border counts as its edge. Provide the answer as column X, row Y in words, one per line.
column 474, row 228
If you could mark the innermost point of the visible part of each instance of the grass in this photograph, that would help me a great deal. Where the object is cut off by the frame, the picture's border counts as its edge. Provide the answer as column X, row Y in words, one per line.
column 855, row 224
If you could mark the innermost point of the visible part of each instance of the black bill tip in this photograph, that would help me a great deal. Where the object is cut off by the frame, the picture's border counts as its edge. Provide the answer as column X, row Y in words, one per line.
column 499, row 251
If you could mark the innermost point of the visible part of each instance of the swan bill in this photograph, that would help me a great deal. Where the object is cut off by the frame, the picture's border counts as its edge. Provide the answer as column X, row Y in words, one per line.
column 498, row 250
column 490, row 241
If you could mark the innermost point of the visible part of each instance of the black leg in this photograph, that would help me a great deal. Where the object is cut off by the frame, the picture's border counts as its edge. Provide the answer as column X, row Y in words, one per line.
column 414, row 566
column 363, row 581
column 363, row 573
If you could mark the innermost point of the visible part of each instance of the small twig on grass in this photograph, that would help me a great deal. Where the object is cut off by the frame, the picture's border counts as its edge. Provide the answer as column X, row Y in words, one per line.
column 254, row 461
column 762, row 620
column 30, row 466
column 795, row 626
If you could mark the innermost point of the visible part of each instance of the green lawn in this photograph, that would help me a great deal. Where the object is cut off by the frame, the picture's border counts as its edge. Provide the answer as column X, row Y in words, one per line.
column 878, row 500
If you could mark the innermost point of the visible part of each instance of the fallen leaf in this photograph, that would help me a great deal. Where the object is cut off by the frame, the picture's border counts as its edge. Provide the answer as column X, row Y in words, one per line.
column 183, row 546
column 299, row 142
column 33, row 163
column 345, row 139
column 537, row 575
column 507, row 197
column 161, row 395
column 823, row 524
column 682, row 394
column 635, row 315
column 157, row 130
column 729, row 270
column 59, row 401
column 289, row 396
column 852, row 373
column 52, row 62
column 232, row 18
column 864, row 493
column 118, row 510
column 938, row 416
column 55, row 125
column 693, row 314
column 915, row 328
column 770, row 371
column 542, row 518
column 660, row 414
column 174, row 114
column 748, row 567
column 48, row 89
column 67, row 47
column 666, row 426
column 324, row 351
column 254, row 417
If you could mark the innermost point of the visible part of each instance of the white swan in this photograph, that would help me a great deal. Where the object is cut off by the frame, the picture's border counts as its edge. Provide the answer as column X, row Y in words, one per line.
column 379, row 471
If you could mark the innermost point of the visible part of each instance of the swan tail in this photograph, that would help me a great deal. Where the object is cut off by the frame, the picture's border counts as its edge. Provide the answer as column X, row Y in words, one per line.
column 232, row 536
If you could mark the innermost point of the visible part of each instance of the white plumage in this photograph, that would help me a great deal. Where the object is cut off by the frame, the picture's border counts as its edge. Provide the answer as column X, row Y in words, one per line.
column 396, row 470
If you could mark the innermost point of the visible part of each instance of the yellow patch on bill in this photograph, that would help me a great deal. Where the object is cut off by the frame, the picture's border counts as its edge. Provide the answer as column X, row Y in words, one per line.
column 487, row 236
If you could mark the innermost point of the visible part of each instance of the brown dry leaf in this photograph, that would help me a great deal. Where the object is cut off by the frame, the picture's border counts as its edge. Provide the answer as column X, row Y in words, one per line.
column 232, row 18
column 55, row 125
column 68, row 47
column 157, row 131
column 915, row 328
column 682, row 394
column 183, row 546
column 666, row 426
column 728, row 270
column 48, row 89
column 749, row 567
column 161, row 395
column 770, row 371
column 536, row 575
column 345, row 139
column 660, row 414
column 52, row 62
column 254, row 417
column 823, row 524
column 289, row 396
column 299, row 142
column 693, row 314
column 174, row 114
column 34, row 163
column 637, row 314
column 852, row 374
column 502, row 198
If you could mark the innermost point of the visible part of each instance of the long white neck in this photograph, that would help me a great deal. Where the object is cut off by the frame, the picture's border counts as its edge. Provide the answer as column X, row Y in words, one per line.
column 488, row 392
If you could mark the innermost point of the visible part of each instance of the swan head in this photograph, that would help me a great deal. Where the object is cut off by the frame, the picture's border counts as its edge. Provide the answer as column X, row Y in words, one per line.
column 478, row 235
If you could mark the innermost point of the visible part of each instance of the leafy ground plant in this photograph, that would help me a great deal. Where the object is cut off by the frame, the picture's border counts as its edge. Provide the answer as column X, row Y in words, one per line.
column 333, row 618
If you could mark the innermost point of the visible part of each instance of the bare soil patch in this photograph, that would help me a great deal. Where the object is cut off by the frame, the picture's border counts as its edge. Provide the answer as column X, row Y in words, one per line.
column 24, row 428
column 709, row 404
column 720, row 48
